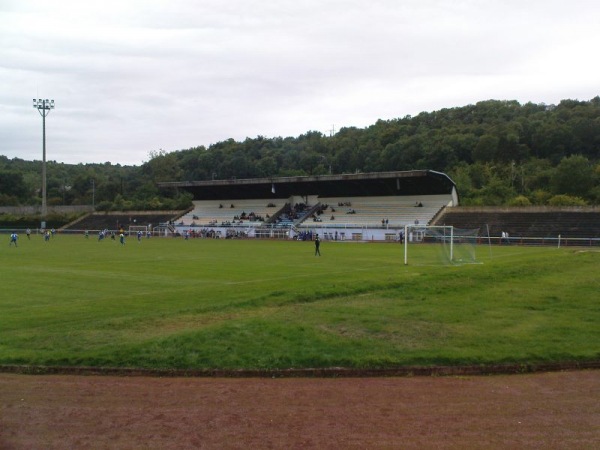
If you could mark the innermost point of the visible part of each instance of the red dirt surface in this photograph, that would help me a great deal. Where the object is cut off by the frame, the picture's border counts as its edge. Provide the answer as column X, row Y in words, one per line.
column 541, row 410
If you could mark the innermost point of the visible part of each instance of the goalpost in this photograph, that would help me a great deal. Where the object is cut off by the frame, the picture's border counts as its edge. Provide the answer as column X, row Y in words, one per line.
column 440, row 244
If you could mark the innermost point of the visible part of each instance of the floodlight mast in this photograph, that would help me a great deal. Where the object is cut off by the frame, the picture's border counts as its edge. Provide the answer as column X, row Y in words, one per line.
column 43, row 106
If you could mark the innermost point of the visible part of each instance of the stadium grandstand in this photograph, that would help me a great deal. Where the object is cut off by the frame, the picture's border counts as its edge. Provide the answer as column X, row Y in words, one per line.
column 359, row 207
column 363, row 207
column 532, row 225
column 158, row 222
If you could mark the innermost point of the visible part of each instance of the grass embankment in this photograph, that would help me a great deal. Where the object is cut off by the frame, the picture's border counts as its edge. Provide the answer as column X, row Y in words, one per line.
column 223, row 304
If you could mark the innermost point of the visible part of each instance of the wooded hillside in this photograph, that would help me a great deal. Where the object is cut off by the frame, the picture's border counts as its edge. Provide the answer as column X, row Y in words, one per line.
column 497, row 152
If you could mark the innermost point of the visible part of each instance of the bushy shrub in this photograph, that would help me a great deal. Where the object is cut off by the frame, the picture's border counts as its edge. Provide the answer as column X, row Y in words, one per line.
column 595, row 195
column 540, row 197
column 566, row 200
column 520, row 200
column 8, row 200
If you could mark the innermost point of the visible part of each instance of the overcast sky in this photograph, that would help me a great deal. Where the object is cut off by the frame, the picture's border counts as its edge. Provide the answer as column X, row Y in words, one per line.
column 133, row 76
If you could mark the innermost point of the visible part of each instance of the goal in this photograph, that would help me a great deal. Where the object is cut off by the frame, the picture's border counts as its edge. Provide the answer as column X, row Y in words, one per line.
column 440, row 244
column 133, row 229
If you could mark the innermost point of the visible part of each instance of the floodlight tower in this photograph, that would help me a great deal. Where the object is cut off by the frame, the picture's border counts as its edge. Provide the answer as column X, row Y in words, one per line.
column 43, row 107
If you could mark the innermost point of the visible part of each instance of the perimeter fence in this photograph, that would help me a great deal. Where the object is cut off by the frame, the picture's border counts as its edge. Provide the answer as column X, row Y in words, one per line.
column 549, row 241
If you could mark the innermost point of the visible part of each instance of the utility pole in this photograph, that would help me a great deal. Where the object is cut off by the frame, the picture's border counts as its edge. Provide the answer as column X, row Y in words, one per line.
column 93, row 194
column 43, row 107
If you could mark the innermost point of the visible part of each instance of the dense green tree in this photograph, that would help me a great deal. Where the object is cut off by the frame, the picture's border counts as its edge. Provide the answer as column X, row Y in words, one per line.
column 266, row 167
column 162, row 166
column 461, row 175
column 496, row 192
column 486, row 148
column 573, row 176
column 13, row 185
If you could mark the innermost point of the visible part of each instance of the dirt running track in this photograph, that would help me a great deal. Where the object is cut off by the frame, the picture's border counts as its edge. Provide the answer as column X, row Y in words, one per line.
column 549, row 410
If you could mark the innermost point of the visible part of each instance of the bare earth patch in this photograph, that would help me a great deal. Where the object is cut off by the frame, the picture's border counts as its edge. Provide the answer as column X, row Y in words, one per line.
column 540, row 410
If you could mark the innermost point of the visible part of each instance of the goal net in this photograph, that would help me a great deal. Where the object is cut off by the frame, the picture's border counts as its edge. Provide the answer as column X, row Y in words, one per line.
column 439, row 245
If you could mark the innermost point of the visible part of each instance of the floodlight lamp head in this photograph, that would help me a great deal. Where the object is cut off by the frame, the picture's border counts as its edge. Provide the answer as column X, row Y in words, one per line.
column 52, row 104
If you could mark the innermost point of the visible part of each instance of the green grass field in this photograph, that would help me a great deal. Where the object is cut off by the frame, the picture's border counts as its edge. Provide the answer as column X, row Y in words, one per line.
column 227, row 304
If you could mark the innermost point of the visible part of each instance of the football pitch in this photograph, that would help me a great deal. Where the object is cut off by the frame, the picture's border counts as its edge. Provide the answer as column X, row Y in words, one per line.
column 170, row 303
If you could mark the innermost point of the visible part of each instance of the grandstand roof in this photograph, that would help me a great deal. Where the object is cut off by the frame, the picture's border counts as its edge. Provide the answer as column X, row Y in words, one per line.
column 414, row 182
